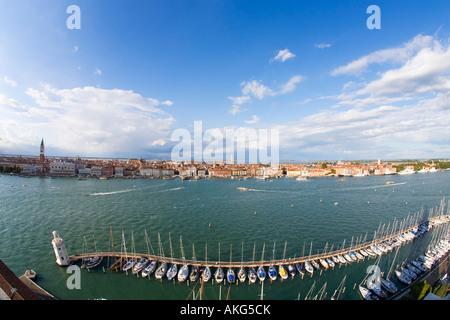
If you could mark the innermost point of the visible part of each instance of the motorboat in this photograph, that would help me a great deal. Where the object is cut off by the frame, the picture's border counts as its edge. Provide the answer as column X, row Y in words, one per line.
column 403, row 277
column 389, row 286
column 366, row 294
column 375, row 288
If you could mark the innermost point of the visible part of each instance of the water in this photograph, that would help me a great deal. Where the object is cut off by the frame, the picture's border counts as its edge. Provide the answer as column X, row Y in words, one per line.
column 31, row 208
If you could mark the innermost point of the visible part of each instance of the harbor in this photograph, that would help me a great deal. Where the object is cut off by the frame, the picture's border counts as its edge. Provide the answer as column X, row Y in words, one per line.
column 295, row 222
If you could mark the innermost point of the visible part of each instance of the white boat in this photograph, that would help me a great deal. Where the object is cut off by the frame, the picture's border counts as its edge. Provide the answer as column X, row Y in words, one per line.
column 206, row 274
column 301, row 179
column 183, row 273
column 359, row 256
column 323, row 263
column 347, row 257
column 402, row 277
column 359, row 175
column 129, row 264
column 252, row 275
column 366, row 294
column 172, row 272
column 330, row 262
column 161, row 271
column 242, row 275
column 149, row 269
column 375, row 288
column 291, row 270
column 219, row 275
column 309, row 267
column 341, row 259
column 138, row 267
column 407, row 171
column 388, row 285
column 409, row 273
column 242, row 189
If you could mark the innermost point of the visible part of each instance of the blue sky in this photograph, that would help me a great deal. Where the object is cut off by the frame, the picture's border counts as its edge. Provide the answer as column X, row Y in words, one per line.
column 138, row 70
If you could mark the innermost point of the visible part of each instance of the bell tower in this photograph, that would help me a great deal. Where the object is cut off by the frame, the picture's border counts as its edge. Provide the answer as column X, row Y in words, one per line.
column 62, row 258
column 42, row 157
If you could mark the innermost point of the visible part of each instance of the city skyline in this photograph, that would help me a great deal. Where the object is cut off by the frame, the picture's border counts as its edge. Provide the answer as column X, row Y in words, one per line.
column 119, row 86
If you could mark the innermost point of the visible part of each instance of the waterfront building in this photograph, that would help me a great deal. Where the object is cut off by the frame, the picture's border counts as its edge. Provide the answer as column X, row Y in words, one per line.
column 58, row 168
column 96, row 171
column 118, row 171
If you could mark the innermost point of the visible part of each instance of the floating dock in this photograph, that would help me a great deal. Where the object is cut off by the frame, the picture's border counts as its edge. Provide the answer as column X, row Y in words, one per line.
column 392, row 240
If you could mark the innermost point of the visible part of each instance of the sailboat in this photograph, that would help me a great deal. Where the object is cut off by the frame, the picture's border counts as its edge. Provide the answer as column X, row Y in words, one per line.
column 231, row 278
column 162, row 268
column 281, row 269
column 251, row 272
column 152, row 265
column 291, row 270
column 140, row 265
column 130, row 263
column 173, row 270
column 206, row 274
column 309, row 267
column 91, row 262
column 272, row 272
column 219, row 274
column 184, row 270
column 261, row 272
column 366, row 294
column 193, row 276
column 242, row 275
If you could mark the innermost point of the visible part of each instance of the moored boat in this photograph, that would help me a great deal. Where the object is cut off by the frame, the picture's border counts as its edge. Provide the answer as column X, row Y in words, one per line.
column 172, row 272
column 282, row 272
column 252, row 275
column 161, row 271
column 149, row 269
column 140, row 265
column 261, row 273
column 183, row 273
column 272, row 273
column 194, row 274
column 231, row 278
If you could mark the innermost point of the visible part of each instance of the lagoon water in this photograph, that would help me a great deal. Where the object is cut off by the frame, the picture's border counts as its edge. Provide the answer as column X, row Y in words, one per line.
column 286, row 210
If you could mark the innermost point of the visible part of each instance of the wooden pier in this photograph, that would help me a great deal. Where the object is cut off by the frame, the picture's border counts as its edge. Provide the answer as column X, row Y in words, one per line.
column 255, row 264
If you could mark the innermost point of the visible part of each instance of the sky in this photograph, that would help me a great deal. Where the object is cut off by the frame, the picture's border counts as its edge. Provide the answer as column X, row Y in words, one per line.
column 135, row 72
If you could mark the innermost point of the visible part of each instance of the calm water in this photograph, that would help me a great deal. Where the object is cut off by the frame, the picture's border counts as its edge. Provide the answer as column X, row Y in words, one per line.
column 31, row 208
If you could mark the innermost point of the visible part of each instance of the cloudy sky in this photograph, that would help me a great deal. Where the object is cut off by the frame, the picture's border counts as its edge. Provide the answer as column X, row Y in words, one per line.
column 138, row 70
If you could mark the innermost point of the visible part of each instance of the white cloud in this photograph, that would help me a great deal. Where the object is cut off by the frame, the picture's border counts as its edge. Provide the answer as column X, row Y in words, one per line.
column 322, row 45
column 10, row 82
column 396, row 55
column 255, row 119
column 283, row 55
column 98, row 71
column 167, row 103
column 290, row 85
column 256, row 89
column 89, row 121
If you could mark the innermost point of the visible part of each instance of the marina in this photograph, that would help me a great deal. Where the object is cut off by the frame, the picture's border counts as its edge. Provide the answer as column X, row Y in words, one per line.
column 297, row 225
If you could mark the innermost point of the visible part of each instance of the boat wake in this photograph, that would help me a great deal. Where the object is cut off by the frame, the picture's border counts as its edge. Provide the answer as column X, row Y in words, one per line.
column 260, row 190
column 172, row 189
column 387, row 185
column 109, row 193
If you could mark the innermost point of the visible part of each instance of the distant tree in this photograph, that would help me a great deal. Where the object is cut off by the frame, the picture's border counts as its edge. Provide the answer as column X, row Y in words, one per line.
column 324, row 165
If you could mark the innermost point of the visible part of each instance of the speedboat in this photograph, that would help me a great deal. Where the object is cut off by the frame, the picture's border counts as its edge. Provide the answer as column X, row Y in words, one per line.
column 261, row 273
column 149, row 269
column 402, row 277
column 272, row 273
column 183, row 273
column 219, row 275
column 172, row 272
column 231, row 278
column 161, row 271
